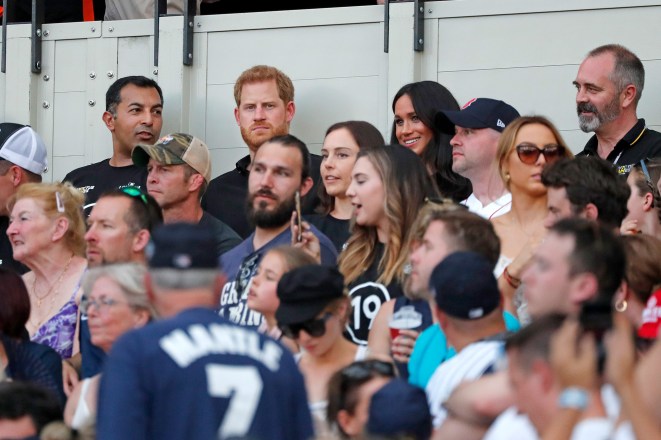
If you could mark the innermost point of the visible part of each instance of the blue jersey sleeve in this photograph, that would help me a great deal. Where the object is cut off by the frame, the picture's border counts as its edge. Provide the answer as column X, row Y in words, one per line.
column 123, row 402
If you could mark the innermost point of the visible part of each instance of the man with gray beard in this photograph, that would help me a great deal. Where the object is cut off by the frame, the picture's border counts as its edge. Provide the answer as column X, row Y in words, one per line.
column 609, row 85
column 280, row 168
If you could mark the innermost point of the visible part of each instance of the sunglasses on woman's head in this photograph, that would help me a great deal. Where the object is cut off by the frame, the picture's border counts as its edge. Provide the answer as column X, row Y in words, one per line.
column 529, row 153
column 365, row 369
column 313, row 327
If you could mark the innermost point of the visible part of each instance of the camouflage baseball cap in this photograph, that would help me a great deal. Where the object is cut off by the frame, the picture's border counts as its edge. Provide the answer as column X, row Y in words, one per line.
column 176, row 149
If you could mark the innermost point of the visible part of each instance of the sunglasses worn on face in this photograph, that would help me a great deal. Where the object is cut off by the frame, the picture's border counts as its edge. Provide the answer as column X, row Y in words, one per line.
column 529, row 153
column 313, row 327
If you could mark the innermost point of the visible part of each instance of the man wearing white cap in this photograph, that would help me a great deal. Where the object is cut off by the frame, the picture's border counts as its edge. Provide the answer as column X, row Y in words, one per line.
column 23, row 159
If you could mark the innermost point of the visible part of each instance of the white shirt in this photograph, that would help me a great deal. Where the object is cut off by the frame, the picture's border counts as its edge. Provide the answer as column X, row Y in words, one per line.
column 512, row 425
column 494, row 209
column 469, row 364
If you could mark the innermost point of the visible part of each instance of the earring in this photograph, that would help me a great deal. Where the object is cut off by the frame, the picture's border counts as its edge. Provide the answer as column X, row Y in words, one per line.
column 507, row 177
column 621, row 305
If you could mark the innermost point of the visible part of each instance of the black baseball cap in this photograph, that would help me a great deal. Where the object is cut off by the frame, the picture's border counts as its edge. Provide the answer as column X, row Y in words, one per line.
column 182, row 246
column 304, row 292
column 477, row 113
column 464, row 286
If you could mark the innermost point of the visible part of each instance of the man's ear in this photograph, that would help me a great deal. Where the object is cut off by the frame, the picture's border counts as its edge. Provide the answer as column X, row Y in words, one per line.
column 584, row 286
column 306, row 185
column 140, row 240
column 109, row 120
column 290, row 111
column 648, row 202
column 628, row 96
column 195, row 181
column 591, row 212
column 17, row 175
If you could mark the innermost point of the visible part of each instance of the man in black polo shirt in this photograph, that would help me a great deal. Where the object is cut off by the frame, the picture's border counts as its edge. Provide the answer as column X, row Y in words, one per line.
column 264, row 108
column 609, row 84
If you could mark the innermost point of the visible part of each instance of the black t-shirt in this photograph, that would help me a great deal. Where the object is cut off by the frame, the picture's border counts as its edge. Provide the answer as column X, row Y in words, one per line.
column 6, row 252
column 334, row 228
column 367, row 296
column 97, row 178
column 226, row 196
column 638, row 144
column 226, row 238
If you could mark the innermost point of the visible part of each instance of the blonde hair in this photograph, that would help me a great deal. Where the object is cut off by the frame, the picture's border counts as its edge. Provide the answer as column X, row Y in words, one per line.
column 58, row 200
column 406, row 184
column 508, row 138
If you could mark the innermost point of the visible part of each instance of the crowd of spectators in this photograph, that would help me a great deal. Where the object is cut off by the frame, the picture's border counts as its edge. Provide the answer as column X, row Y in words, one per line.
column 471, row 279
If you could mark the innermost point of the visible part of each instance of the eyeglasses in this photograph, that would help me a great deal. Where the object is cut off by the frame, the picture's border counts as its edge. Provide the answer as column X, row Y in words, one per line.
column 102, row 303
column 136, row 193
column 529, row 153
column 364, row 369
column 313, row 327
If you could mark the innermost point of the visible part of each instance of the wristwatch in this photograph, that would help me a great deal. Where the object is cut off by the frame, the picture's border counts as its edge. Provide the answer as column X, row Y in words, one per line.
column 574, row 398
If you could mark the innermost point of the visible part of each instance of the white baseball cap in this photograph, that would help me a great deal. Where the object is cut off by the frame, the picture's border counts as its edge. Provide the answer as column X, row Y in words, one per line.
column 22, row 146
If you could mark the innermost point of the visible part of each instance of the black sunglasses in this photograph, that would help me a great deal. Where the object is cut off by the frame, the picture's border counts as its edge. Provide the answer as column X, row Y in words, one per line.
column 364, row 369
column 313, row 327
column 135, row 193
column 529, row 153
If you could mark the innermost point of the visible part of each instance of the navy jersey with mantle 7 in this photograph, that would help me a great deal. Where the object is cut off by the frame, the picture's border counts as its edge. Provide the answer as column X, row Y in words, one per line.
column 198, row 376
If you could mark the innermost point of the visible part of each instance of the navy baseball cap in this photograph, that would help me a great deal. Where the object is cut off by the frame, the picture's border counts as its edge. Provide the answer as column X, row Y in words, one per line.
column 464, row 286
column 304, row 292
column 400, row 409
column 477, row 113
column 182, row 246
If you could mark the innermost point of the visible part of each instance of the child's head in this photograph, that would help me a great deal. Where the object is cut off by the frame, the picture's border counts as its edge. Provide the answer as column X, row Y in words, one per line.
column 276, row 262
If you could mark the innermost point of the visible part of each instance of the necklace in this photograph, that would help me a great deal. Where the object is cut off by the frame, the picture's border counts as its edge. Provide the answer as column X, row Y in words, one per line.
column 52, row 287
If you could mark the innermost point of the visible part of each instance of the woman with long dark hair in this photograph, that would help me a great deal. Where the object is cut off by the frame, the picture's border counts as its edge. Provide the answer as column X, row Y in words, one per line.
column 415, row 107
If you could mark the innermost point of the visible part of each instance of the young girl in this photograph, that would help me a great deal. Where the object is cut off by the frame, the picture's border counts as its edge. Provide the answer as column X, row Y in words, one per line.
column 263, row 298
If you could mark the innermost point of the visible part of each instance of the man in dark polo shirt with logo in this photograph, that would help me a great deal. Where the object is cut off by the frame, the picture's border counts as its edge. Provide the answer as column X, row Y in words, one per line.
column 609, row 85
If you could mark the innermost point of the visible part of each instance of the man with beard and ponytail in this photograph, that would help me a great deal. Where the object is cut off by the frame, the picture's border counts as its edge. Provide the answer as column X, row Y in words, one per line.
column 265, row 107
column 279, row 168
column 609, row 84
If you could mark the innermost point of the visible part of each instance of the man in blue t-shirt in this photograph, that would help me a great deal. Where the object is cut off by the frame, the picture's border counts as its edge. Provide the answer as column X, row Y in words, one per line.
column 194, row 374
column 280, row 168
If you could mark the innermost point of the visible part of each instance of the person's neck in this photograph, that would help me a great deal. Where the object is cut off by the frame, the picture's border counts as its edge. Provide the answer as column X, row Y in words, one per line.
column 50, row 264
column 651, row 224
column 383, row 230
column 173, row 302
column 189, row 211
column 120, row 157
column 611, row 133
column 460, row 340
column 263, row 236
column 529, row 208
column 336, row 354
column 488, row 186
column 342, row 208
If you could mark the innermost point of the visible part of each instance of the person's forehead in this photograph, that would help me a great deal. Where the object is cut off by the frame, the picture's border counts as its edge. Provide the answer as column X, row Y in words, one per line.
column 266, row 89
column 557, row 246
column 273, row 155
column 131, row 93
column 114, row 206
column 596, row 68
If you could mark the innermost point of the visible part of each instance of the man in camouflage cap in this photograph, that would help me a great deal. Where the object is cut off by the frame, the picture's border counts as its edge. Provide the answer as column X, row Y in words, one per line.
column 179, row 170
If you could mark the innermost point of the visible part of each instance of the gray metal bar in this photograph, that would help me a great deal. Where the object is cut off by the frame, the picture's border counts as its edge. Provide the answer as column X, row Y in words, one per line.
column 190, row 7
column 160, row 7
column 419, row 25
column 35, row 38
column 5, row 11
column 386, row 25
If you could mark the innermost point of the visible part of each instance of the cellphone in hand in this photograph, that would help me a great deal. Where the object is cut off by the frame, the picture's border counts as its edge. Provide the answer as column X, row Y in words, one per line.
column 299, row 219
